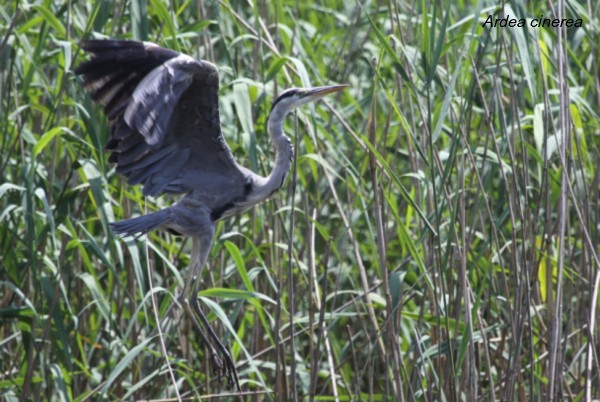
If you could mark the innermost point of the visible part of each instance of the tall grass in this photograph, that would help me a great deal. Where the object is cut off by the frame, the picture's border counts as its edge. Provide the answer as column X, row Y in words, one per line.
column 437, row 241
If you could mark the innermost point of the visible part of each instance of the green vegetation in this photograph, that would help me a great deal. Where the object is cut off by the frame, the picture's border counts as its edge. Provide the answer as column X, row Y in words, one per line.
column 437, row 242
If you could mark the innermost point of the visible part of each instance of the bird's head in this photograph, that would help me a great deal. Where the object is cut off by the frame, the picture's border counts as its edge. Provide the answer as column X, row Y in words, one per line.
column 294, row 97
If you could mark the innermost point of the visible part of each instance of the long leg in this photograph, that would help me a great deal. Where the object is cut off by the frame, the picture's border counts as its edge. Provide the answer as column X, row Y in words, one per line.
column 201, row 246
column 226, row 367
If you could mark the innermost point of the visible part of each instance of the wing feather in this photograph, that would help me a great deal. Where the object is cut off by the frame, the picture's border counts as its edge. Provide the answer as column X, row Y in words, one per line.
column 155, row 98
column 163, row 153
column 128, row 142
column 164, row 117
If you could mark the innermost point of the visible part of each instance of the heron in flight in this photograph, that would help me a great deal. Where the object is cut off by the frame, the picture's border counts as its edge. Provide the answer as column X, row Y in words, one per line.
column 163, row 109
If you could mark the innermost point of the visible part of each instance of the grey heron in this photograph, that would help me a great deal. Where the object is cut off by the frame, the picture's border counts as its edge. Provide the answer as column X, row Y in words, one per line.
column 163, row 111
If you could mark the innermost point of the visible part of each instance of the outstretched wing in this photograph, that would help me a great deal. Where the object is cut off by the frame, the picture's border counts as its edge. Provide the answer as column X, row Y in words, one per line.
column 164, row 116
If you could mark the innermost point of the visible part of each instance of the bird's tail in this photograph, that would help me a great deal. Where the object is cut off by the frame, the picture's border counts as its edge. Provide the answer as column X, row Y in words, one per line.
column 141, row 225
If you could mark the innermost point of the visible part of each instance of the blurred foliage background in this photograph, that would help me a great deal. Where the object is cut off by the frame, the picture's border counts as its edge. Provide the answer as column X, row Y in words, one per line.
column 437, row 241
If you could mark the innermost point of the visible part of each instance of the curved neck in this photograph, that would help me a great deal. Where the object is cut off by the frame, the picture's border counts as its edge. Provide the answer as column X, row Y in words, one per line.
column 284, row 153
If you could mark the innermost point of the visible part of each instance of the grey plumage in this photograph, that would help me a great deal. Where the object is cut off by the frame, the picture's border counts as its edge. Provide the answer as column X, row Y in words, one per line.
column 161, row 105
column 142, row 224
column 165, row 135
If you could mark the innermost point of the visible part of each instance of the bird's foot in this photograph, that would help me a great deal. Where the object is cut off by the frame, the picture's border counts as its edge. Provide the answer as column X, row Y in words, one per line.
column 220, row 358
column 224, row 367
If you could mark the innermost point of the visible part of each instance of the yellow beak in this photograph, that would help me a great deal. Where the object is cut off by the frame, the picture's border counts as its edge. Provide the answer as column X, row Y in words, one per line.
column 319, row 92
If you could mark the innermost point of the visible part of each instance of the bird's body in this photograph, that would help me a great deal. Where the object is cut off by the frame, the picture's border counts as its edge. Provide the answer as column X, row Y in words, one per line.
column 166, row 135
